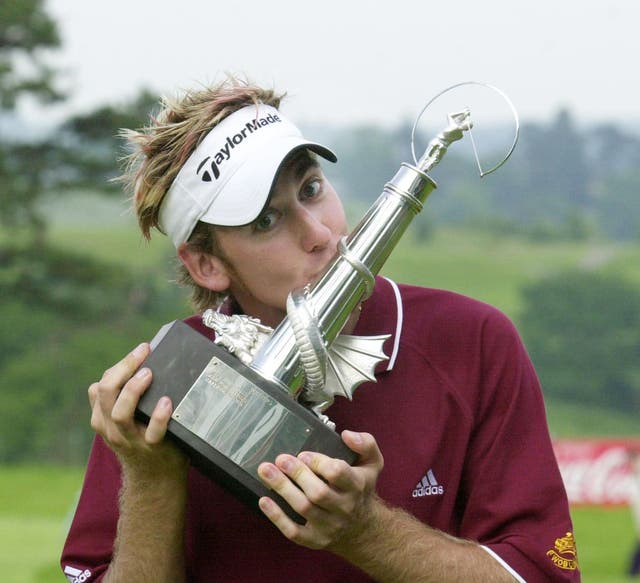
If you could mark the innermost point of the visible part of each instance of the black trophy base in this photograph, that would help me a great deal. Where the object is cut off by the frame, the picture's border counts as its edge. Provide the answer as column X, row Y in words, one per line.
column 228, row 418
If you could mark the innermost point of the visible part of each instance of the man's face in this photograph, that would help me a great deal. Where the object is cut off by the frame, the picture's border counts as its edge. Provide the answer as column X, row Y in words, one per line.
column 288, row 245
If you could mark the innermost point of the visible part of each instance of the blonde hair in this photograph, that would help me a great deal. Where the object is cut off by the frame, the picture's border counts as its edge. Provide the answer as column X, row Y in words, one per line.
column 159, row 150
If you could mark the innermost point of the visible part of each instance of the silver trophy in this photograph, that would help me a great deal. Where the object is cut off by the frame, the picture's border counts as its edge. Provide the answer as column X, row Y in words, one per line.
column 255, row 392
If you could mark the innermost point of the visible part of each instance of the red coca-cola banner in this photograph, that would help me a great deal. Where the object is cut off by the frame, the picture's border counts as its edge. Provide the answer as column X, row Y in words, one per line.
column 596, row 471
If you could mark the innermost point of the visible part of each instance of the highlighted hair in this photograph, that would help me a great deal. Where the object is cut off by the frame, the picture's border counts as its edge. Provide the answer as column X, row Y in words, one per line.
column 160, row 149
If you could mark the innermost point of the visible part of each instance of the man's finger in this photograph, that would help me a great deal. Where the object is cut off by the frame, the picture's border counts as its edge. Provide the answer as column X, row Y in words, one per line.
column 127, row 401
column 334, row 471
column 121, row 372
column 279, row 482
column 158, row 422
column 281, row 521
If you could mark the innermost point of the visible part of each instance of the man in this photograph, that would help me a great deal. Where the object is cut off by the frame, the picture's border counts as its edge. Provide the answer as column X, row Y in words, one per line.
column 470, row 490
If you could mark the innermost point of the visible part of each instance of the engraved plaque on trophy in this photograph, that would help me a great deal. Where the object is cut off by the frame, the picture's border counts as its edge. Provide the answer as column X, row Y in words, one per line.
column 228, row 418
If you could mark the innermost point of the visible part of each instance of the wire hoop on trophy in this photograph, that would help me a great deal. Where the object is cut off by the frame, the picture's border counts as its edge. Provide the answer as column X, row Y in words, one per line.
column 504, row 99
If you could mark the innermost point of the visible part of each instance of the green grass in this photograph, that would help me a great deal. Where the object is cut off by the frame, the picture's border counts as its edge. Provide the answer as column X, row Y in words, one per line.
column 494, row 269
column 488, row 267
column 36, row 505
column 120, row 244
column 572, row 420
column 35, row 509
column 106, row 228
column 605, row 539
column 484, row 266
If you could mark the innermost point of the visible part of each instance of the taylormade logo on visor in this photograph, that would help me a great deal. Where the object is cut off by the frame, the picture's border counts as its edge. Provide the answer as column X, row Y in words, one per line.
column 227, row 178
column 221, row 156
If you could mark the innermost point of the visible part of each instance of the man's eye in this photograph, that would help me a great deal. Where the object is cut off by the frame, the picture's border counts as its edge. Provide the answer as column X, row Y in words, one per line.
column 311, row 188
column 265, row 221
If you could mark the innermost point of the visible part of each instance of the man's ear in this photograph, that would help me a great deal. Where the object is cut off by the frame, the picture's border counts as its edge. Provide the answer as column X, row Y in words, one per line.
column 207, row 270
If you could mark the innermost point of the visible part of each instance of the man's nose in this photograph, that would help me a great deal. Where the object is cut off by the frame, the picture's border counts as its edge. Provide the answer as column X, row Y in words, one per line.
column 315, row 235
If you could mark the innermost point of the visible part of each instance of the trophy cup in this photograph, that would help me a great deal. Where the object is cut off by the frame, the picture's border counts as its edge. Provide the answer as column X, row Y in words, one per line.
column 255, row 392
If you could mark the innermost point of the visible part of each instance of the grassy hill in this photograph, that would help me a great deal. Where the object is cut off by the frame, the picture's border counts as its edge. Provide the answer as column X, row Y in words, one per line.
column 34, row 524
column 488, row 267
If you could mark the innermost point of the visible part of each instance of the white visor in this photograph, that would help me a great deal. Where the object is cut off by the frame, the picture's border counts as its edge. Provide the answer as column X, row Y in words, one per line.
column 229, row 176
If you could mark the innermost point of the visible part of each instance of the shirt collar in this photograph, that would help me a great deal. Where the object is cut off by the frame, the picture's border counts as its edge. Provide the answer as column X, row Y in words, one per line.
column 383, row 313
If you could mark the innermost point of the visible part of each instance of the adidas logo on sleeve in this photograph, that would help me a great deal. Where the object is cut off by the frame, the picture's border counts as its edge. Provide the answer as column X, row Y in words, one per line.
column 428, row 486
column 76, row 575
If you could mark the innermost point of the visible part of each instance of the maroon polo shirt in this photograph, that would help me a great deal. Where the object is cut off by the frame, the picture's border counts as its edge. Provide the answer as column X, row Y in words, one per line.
column 458, row 414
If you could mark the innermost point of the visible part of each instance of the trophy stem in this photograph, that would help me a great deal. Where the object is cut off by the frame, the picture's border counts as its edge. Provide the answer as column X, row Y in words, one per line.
column 343, row 286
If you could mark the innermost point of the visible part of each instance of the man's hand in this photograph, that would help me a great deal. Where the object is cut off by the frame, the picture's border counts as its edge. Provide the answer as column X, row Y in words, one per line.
column 154, row 475
column 113, row 402
column 332, row 495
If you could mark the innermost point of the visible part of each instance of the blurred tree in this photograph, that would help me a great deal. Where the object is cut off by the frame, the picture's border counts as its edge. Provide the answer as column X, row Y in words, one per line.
column 84, row 151
column 583, row 331
column 26, row 29
column 89, row 147
column 369, row 157
column 64, row 319
column 557, row 160
column 83, row 154
column 617, row 204
column 611, row 150
column 547, row 178
column 563, row 182
column 615, row 158
column 50, row 346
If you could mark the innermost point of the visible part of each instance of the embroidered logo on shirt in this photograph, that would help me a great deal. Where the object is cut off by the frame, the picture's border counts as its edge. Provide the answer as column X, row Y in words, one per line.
column 428, row 486
column 76, row 575
column 564, row 555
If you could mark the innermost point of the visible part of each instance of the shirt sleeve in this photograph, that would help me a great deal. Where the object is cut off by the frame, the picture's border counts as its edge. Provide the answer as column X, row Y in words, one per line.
column 514, row 500
column 88, row 548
